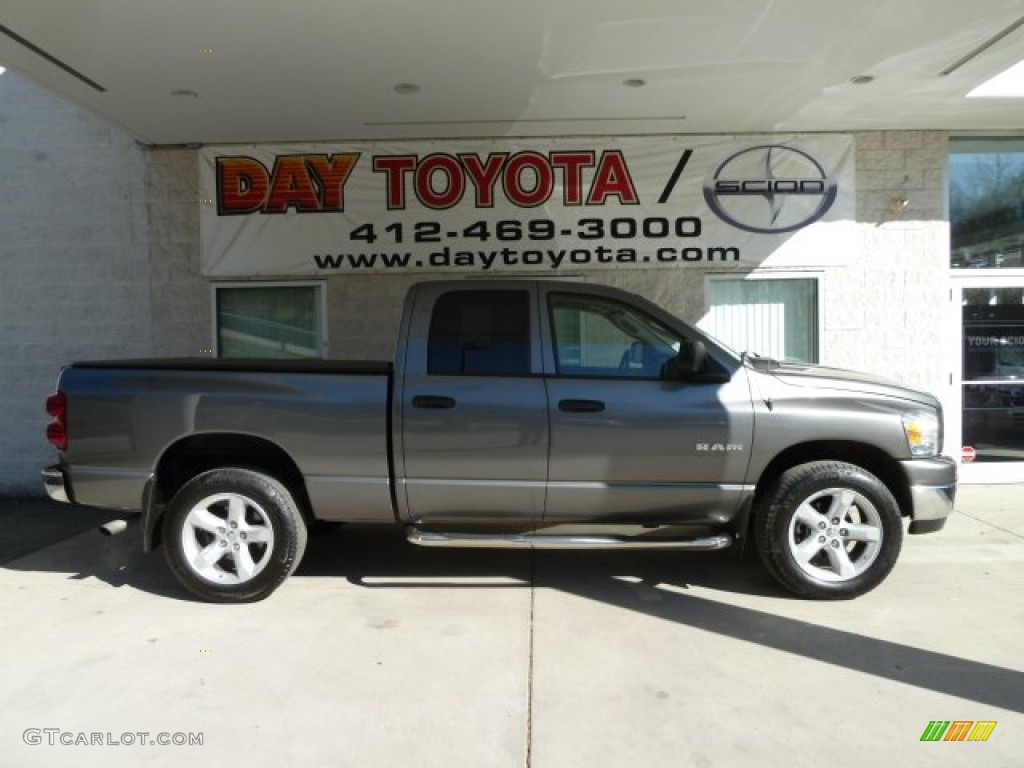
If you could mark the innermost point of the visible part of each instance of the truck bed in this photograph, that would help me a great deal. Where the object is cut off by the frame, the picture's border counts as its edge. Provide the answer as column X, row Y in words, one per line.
column 330, row 417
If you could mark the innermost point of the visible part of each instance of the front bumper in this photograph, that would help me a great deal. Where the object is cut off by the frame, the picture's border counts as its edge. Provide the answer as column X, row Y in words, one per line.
column 56, row 484
column 932, row 485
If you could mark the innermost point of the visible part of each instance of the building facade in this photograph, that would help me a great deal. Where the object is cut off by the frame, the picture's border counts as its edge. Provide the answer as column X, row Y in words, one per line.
column 105, row 255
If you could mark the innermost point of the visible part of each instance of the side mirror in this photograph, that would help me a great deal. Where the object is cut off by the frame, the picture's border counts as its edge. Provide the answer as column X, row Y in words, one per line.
column 688, row 363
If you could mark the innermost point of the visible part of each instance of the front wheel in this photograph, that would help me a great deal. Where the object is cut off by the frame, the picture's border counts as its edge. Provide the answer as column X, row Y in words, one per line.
column 233, row 535
column 828, row 530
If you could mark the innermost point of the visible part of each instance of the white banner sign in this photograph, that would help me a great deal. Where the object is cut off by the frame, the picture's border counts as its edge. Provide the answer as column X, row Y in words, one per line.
column 538, row 205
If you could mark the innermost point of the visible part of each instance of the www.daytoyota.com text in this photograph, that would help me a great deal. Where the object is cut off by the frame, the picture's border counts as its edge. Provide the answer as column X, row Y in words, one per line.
column 524, row 234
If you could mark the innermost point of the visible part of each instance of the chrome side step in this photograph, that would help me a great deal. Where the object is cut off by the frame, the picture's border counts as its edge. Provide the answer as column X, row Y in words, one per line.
column 540, row 541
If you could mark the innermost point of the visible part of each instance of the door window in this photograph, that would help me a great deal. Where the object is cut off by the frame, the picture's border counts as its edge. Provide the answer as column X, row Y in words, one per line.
column 594, row 336
column 480, row 333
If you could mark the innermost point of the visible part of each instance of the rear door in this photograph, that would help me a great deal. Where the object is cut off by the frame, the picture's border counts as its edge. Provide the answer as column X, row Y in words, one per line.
column 473, row 444
column 626, row 444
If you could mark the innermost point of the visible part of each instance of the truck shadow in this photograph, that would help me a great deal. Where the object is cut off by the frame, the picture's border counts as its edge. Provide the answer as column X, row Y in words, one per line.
column 373, row 559
column 655, row 584
column 658, row 584
column 29, row 524
column 940, row 672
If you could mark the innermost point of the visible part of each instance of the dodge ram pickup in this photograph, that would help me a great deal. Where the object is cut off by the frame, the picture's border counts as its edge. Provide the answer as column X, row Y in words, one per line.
column 515, row 414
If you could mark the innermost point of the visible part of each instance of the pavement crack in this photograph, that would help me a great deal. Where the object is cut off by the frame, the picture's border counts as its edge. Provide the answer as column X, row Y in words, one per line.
column 529, row 668
column 990, row 524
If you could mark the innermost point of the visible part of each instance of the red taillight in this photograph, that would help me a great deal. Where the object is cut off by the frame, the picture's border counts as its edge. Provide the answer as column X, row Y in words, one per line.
column 57, row 405
column 57, row 430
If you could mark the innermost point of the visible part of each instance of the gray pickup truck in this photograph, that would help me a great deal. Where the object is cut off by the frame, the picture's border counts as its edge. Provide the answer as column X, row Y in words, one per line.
column 516, row 414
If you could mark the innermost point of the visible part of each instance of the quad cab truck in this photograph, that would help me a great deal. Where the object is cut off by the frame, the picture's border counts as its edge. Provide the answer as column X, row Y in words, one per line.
column 515, row 414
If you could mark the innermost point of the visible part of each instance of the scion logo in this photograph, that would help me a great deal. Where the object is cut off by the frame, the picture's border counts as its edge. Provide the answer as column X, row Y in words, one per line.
column 770, row 189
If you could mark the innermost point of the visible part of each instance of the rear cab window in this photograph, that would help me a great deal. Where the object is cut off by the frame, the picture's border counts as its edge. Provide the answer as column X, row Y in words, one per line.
column 480, row 333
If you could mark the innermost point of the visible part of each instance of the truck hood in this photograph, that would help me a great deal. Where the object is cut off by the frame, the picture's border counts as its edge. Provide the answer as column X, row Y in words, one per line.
column 822, row 377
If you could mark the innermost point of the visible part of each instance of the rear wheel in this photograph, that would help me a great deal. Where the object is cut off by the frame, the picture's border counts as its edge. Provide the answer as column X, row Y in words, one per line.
column 828, row 530
column 233, row 535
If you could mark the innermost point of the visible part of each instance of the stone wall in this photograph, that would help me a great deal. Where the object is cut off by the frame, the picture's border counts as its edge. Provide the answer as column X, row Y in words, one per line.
column 74, row 260
column 182, row 304
column 889, row 311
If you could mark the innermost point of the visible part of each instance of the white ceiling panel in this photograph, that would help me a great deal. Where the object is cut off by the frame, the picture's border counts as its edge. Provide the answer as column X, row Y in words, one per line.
column 185, row 71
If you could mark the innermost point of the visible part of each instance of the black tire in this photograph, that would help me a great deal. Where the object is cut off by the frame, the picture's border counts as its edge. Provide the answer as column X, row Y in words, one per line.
column 832, row 556
column 233, row 535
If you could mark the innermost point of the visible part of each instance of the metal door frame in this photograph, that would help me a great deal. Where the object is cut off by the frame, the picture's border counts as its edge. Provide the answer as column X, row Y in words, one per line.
column 996, row 472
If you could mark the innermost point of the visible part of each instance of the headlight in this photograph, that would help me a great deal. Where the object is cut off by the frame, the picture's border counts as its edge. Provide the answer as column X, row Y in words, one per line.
column 924, row 432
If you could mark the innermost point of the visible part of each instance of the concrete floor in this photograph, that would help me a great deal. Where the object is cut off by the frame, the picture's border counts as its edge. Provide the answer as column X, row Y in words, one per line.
column 379, row 654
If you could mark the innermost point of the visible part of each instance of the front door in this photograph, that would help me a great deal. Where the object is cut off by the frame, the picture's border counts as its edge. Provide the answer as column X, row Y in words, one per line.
column 625, row 443
column 992, row 378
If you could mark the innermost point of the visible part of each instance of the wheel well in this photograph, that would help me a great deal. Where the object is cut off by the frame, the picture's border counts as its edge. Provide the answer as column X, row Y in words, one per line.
column 193, row 455
column 874, row 460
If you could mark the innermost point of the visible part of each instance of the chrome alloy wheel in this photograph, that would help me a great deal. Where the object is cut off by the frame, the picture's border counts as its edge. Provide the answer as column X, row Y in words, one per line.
column 835, row 535
column 227, row 538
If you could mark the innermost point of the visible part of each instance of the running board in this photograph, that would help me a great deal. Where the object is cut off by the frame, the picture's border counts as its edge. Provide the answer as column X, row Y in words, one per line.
column 537, row 541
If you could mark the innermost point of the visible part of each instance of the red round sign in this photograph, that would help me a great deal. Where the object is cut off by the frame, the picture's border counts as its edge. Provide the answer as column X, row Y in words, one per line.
column 967, row 454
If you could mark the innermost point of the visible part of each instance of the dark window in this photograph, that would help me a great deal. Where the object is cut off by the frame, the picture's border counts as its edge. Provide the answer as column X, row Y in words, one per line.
column 276, row 321
column 480, row 333
column 986, row 203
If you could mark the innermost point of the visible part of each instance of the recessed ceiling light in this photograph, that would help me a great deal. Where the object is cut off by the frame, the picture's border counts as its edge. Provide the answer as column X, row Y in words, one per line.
column 862, row 79
column 184, row 93
column 407, row 89
column 2, row 70
column 1008, row 84
column 634, row 82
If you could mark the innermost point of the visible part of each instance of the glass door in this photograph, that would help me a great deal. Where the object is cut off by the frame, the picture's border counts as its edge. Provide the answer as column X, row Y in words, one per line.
column 992, row 377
